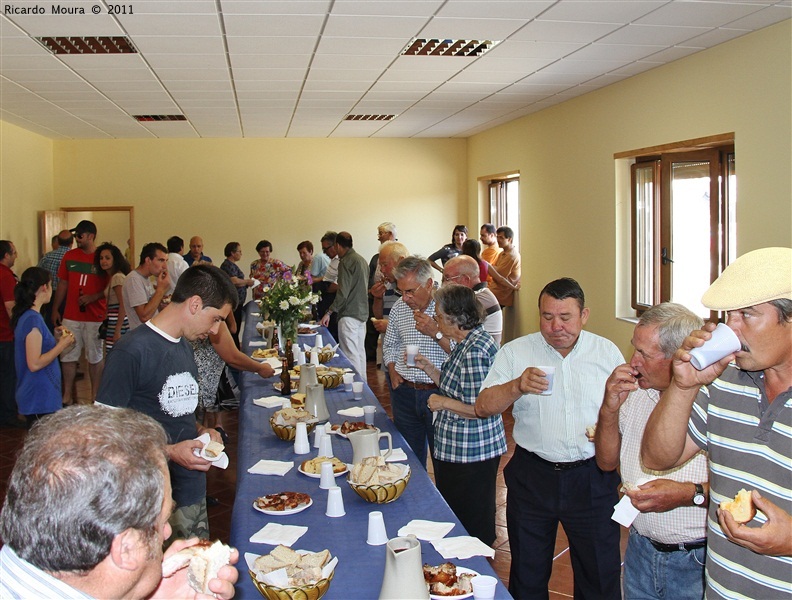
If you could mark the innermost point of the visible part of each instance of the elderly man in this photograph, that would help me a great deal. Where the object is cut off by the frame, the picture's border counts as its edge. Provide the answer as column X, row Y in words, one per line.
column 553, row 476
column 465, row 271
column 141, row 299
column 386, row 232
column 390, row 254
column 741, row 414
column 85, row 309
column 196, row 255
column 411, row 387
column 8, row 282
column 667, row 546
column 351, row 303
column 507, row 264
column 87, row 509
column 152, row 369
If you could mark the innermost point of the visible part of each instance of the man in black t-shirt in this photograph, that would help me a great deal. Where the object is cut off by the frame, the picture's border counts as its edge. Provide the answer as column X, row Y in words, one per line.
column 154, row 372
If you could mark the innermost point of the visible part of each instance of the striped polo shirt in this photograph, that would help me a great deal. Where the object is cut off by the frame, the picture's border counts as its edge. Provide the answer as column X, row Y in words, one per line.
column 749, row 441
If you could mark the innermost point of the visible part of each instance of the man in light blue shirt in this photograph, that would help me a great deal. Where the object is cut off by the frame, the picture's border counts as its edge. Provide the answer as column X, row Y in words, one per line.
column 553, row 476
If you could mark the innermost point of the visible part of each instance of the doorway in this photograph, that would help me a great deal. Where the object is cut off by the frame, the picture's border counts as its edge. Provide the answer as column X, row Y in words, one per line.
column 114, row 224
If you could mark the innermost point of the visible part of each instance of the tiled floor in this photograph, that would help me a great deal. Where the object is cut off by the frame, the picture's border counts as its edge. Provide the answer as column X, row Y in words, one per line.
column 222, row 483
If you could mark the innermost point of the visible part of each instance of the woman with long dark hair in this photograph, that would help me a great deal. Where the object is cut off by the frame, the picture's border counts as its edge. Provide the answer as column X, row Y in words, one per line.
column 36, row 350
column 109, row 259
column 472, row 248
column 449, row 251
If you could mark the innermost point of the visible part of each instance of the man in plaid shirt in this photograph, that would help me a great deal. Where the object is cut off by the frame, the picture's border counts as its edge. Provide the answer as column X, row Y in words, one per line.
column 51, row 261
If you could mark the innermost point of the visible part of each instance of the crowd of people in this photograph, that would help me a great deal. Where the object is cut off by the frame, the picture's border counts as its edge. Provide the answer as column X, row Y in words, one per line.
column 675, row 440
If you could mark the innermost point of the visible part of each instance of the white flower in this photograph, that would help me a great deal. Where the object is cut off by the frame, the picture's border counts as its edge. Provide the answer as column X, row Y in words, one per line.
column 314, row 299
column 283, row 305
column 265, row 289
column 294, row 300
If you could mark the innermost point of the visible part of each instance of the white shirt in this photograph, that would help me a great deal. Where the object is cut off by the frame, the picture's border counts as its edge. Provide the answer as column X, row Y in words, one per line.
column 682, row 524
column 331, row 274
column 554, row 427
column 20, row 579
column 176, row 266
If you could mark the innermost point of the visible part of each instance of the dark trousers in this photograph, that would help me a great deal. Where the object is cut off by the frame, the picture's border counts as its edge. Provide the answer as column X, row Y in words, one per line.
column 8, row 405
column 582, row 500
column 413, row 418
column 469, row 489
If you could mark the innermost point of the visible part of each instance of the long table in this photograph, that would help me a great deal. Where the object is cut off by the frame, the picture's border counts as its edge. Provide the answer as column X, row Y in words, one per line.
column 360, row 567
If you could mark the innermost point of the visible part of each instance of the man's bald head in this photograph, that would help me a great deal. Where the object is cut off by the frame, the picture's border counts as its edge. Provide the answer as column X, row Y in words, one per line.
column 463, row 270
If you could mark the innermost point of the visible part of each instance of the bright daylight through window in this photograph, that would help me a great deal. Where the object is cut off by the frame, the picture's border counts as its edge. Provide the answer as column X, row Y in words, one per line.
column 504, row 203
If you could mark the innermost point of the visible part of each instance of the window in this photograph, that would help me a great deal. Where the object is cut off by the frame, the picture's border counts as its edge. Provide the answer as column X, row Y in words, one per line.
column 504, row 203
column 683, row 228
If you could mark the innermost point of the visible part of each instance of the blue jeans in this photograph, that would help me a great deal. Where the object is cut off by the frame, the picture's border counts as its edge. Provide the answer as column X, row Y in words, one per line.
column 649, row 573
column 413, row 418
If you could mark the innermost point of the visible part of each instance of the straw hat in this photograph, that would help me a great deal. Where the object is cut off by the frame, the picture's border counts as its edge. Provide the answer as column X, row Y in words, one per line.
column 754, row 278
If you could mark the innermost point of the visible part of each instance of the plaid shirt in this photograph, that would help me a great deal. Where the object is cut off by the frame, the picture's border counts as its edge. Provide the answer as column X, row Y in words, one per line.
column 51, row 261
column 401, row 331
column 457, row 439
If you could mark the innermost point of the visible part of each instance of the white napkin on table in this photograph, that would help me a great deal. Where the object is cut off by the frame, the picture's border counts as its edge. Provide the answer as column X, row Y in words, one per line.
column 462, row 547
column 271, row 467
column 275, row 533
column 221, row 462
column 426, row 530
column 256, row 343
column 397, row 455
column 354, row 412
column 269, row 401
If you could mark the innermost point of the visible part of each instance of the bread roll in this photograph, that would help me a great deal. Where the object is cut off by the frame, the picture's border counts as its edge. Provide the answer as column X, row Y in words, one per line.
column 213, row 449
column 742, row 508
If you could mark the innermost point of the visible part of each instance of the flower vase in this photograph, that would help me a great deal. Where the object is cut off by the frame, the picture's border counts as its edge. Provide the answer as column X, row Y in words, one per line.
column 288, row 330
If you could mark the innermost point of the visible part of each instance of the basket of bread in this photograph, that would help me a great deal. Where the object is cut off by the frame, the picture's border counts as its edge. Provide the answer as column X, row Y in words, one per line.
column 286, row 574
column 284, row 422
column 376, row 481
column 325, row 354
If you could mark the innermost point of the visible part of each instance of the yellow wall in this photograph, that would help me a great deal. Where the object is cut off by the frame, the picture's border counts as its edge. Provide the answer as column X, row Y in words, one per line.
column 25, row 189
column 283, row 190
column 569, row 179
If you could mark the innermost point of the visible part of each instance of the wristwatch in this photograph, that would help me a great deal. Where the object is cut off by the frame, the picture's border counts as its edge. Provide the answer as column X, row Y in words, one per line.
column 439, row 336
column 699, row 497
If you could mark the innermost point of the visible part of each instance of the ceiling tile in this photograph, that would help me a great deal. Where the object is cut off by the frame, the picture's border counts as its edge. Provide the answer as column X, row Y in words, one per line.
column 699, row 14
column 563, row 31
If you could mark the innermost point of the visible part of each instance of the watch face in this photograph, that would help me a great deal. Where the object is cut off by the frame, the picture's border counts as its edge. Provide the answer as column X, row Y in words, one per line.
column 439, row 335
column 698, row 499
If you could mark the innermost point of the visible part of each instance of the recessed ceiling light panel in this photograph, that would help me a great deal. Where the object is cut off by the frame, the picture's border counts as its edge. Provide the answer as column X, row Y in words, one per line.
column 150, row 118
column 437, row 47
column 369, row 117
column 88, row 45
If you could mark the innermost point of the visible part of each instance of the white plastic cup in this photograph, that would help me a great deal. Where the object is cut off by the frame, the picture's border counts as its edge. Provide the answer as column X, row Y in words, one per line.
column 377, row 536
column 326, row 475
column 484, row 586
column 349, row 379
column 357, row 389
column 550, row 376
column 286, row 403
column 412, row 351
column 318, row 341
column 326, row 445
column 319, row 433
column 300, row 356
column 315, row 358
column 722, row 343
column 368, row 414
column 335, row 502
column 301, row 443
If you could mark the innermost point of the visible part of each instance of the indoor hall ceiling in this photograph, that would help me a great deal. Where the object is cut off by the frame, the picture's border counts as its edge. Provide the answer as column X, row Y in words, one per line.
column 298, row 68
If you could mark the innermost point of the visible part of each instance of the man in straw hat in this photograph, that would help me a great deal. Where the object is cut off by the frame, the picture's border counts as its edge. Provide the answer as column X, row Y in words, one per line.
column 741, row 414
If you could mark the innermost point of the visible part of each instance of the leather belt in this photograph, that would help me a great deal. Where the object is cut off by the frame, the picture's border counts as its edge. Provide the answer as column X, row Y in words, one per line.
column 420, row 386
column 559, row 466
column 682, row 546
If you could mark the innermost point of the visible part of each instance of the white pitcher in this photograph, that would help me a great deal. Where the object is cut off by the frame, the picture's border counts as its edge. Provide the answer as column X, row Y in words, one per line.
column 365, row 442
column 403, row 577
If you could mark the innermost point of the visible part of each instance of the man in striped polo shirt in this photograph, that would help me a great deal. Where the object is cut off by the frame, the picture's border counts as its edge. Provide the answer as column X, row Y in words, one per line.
column 741, row 414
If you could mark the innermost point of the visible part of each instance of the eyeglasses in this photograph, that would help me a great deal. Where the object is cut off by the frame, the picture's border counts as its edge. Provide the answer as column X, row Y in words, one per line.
column 455, row 277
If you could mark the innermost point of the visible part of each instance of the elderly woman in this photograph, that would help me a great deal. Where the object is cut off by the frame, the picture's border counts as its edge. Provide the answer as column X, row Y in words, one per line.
column 467, row 449
column 315, row 266
column 266, row 269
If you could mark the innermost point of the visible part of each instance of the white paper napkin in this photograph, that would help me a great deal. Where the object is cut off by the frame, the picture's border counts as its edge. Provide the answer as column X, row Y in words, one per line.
column 354, row 412
column 222, row 460
column 624, row 512
column 426, row 530
column 256, row 343
column 397, row 455
column 275, row 533
column 269, row 401
column 271, row 467
column 462, row 547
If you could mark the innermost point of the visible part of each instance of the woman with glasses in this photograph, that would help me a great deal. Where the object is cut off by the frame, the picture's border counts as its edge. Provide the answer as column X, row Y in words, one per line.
column 467, row 449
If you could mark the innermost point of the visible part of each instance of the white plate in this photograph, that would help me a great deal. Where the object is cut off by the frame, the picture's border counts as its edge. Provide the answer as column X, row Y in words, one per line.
column 318, row 476
column 460, row 570
column 291, row 511
column 311, row 334
column 309, row 325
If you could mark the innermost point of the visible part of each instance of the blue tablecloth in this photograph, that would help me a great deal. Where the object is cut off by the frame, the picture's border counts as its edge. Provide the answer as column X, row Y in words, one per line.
column 360, row 567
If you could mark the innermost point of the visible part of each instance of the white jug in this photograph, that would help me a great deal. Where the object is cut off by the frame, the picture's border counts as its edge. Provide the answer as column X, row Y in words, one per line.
column 365, row 442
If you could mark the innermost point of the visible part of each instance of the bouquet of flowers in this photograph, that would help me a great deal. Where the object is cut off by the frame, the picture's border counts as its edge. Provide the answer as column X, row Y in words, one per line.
column 287, row 301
